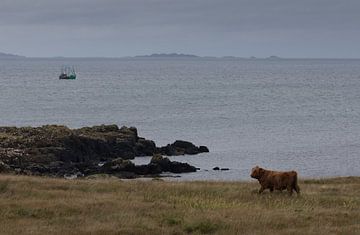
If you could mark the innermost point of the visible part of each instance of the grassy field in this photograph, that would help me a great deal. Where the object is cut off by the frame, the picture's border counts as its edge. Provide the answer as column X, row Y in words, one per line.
column 35, row 205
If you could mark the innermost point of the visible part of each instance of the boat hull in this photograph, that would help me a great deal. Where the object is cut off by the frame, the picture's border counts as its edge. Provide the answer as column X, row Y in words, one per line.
column 66, row 77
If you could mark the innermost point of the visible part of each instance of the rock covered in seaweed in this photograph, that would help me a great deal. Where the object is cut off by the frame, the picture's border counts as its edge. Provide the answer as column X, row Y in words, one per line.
column 4, row 168
column 180, row 147
column 171, row 166
column 58, row 150
column 59, row 143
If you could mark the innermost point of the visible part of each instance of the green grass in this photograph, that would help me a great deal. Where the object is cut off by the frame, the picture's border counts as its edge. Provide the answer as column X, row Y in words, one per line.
column 36, row 205
column 4, row 185
column 202, row 226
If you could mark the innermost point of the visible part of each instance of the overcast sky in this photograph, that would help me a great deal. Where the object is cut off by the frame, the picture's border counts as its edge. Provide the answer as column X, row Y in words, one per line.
column 287, row 28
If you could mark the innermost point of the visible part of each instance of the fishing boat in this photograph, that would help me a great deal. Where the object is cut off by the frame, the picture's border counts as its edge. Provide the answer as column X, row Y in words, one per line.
column 67, row 73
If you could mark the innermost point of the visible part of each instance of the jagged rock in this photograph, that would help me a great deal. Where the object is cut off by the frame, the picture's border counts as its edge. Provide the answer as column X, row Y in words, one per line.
column 163, row 162
column 118, row 165
column 203, row 149
column 171, row 166
column 222, row 169
column 4, row 168
column 145, row 147
column 169, row 151
column 180, row 147
column 58, row 151
column 180, row 167
column 187, row 146
column 149, row 169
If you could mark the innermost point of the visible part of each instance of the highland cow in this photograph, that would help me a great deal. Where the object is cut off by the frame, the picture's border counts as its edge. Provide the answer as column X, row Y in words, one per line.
column 276, row 180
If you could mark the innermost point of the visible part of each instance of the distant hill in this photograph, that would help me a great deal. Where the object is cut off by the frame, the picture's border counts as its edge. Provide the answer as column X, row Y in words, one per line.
column 170, row 55
column 9, row 56
column 273, row 57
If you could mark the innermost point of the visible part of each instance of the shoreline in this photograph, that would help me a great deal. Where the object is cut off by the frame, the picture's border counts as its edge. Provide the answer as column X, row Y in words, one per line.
column 163, row 179
column 59, row 151
column 175, row 178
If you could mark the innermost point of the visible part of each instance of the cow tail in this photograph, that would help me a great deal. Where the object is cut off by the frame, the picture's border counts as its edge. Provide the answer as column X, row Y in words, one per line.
column 295, row 184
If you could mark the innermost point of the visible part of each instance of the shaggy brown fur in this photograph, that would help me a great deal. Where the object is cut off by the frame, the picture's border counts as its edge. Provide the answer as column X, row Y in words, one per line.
column 276, row 180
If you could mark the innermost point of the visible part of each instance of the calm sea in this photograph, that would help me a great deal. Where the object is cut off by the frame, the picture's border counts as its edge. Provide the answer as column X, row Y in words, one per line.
column 280, row 114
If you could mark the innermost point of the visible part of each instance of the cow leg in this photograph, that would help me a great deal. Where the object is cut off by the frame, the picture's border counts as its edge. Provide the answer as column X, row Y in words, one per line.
column 271, row 189
column 297, row 189
column 290, row 191
column 261, row 190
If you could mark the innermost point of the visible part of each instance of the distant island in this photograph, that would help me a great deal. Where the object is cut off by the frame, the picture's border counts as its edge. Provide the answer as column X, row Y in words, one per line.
column 10, row 56
column 273, row 57
column 167, row 55
column 151, row 56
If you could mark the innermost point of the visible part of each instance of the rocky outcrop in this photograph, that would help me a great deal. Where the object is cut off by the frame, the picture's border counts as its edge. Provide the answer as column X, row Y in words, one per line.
column 181, row 147
column 4, row 168
column 157, row 165
column 222, row 169
column 171, row 166
column 58, row 150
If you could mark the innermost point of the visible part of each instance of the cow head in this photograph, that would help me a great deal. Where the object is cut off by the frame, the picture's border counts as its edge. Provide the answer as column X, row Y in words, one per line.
column 256, row 172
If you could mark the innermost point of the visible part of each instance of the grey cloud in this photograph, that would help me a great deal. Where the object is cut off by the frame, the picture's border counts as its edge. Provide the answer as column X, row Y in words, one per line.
column 179, row 24
column 209, row 13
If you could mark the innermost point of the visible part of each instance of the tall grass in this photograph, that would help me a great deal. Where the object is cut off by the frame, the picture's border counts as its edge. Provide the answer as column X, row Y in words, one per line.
column 35, row 205
column 4, row 186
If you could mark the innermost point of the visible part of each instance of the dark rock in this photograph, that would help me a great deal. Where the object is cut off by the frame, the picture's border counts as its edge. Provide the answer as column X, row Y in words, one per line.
column 4, row 168
column 187, row 147
column 104, row 128
column 222, row 169
column 180, row 147
column 55, row 150
column 183, row 144
column 118, row 165
column 37, row 169
column 169, row 150
column 180, row 167
column 124, row 149
column 145, row 147
column 171, row 166
column 161, row 161
column 203, row 149
column 149, row 169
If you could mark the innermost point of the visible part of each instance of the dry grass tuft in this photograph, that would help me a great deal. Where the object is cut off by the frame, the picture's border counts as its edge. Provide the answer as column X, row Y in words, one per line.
column 35, row 205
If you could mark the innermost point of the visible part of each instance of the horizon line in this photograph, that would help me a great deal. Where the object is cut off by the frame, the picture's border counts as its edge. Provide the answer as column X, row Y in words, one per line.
column 183, row 57
column 168, row 56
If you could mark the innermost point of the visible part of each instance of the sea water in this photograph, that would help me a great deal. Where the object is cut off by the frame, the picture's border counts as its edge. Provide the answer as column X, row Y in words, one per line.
column 301, row 114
